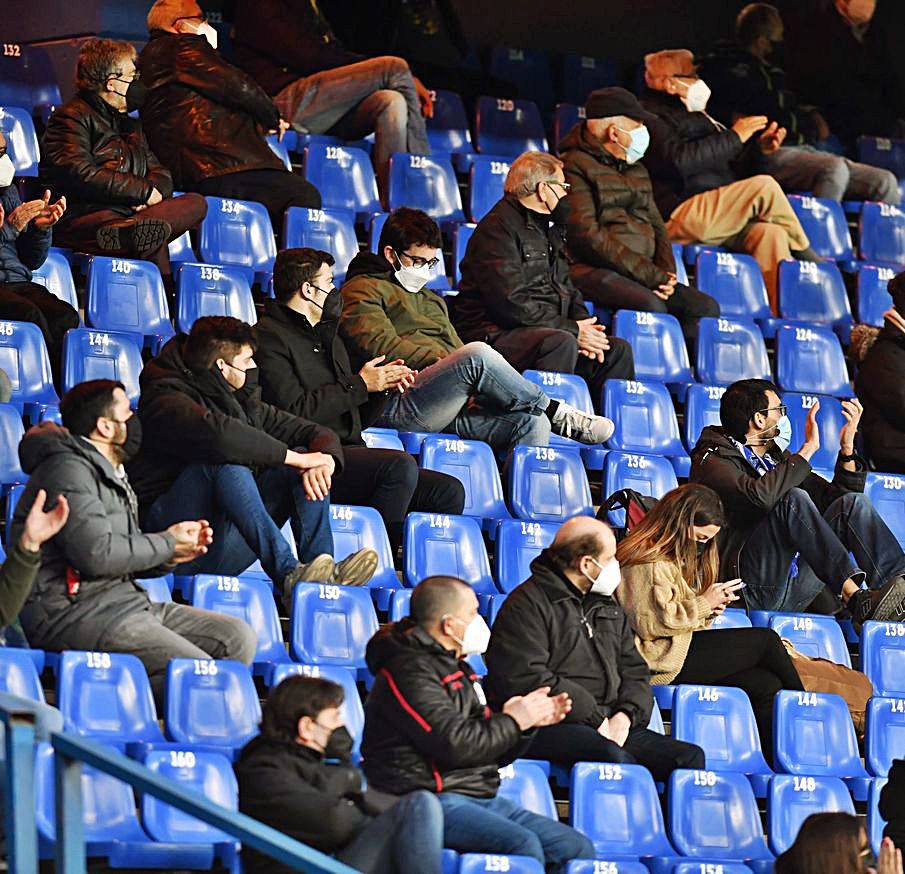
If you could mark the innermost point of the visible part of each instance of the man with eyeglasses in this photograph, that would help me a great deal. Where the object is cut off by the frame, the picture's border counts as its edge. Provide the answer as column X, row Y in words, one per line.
column 800, row 543
column 516, row 294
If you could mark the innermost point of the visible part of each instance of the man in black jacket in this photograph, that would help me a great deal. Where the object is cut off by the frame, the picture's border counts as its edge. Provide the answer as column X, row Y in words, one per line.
column 305, row 370
column 212, row 445
column 428, row 726
column 789, row 532
column 562, row 628
column 206, row 119
column 516, row 294
column 297, row 776
column 120, row 197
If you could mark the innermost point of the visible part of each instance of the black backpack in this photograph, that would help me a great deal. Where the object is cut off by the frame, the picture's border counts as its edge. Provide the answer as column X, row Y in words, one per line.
column 636, row 507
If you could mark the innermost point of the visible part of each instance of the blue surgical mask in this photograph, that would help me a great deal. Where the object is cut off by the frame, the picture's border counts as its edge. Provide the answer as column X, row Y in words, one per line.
column 640, row 140
column 783, row 433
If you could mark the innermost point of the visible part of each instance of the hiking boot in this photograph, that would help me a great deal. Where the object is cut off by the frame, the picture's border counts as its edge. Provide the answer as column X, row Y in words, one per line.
column 135, row 237
column 357, row 569
column 886, row 604
column 568, row 421
column 319, row 570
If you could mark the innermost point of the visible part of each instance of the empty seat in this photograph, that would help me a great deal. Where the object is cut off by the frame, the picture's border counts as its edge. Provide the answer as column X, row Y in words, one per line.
column 331, row 625
column 565, row 117
column 21, row 139
column 55, row 275
column 93, row 354
column 702, row 408
column 526, row 784
column 527, row 70
column 478, row 863
column 581, row 75
column 382, row 438
column 873, row 297
column 508, row 127
column 885, row 733
column 657, row 343
column 811, row 360
column 344, row 176
column 19, row 675
column 485, row 184
column 11, row 433
column 548, row 484
column 829, row 423
column 814, row 293
column 883, row 234
column 825, row 224
column 204, row 290
column 647, row 474
column 886, row 494
column 815, row 636
column 128, row 296
column 426, row 183
column 793, row 799
column 23, row 355
column 330, row 230
column 211, row 703
column 883, row 657
column 447, row 129
column 735, row 281
column 238, row 233
column 729, row 350
column 518, row 543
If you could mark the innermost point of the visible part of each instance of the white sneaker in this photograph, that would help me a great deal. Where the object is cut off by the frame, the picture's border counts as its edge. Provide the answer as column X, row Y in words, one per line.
column 569, row 421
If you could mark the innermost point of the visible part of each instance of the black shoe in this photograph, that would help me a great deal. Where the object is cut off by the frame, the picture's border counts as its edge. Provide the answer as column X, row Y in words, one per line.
column 886, row 604
column 806, row 255
column 135, row 237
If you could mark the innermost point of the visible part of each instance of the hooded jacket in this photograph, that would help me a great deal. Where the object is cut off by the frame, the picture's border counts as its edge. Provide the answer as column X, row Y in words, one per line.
column 515, row 275
column 198, row 418
column 20, row 253
column 426, row 723
column 880, row 387
column 306, row 371
column 892, row 803
column 747, row 498
column 87, row 570
column 613, row 221
column 381, row 318
column 548, row 634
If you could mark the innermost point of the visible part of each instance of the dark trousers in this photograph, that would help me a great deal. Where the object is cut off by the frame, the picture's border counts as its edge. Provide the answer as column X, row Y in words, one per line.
column 276, row 189
column 752, row 659
column 390, row 481
column 32, row 302
column 557, row 350
column 612, row 290
column 182, row 213
column 795, row 524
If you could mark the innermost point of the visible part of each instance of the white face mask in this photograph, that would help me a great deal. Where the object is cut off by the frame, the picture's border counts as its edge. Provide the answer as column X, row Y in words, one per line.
column 7, row 171
column 607, row 581
column 696, row 97
column 412, row 279
column 209, row 34
column 476, row 638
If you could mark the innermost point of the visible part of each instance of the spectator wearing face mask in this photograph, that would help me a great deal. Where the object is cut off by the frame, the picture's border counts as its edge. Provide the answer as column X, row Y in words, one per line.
column 621, row 256
column 788, row 531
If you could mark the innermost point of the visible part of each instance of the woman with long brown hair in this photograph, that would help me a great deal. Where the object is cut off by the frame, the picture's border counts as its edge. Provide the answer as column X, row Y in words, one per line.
column 671, row 593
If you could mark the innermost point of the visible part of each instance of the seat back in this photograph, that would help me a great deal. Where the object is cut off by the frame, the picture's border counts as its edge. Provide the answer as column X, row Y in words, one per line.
column 815, row 636
column 447, row 129
column 729, row 350
column 461, row 235
column 518, row 543
column 581, row 75
column 331, row 625
column 793, row 799
column 883, row 233
column 644, row 416
column 237, row 233
column 649, row 475
column 547, row 484
column 565, row 117
column 598, row 866
column 356, row 528
column 55, row 275
column 21, row 140
column 702, row 408
column 883, row 657
column 382, row 438
column 657, row 343
column 735, row 281
column 814, row 293
column 568, row 387
column 886, row 494
column 883, row 152
column 885, row 733
column 825, row 224
column 344, row 176
column 485, row 184
column 731, row 618
column 280, row 149
column 875, row 822
column 829, row 423
column 211, row 703
column 11, row 434
column 92, row 354
column 426, row 183
column 27, row 79
column 330, row 230
column 526, row 784
column 811, row 360
column 158, row 588
column 873, row 296
column 204, row 290
column 18, row 674
column 479, row 863
column 526, row 70
column 181, row 251
column 23, row 355
column 509, row 127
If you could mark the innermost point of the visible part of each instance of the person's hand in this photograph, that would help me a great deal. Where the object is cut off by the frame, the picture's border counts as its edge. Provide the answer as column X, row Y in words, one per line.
column 851, row 412
column 890, row 859
column 25, row 212
column 538, row 708
column 40, row 526
column 2, row 215
column 666, row 289
column 748, row 125
column 307, row 460
column 317, row 481
column 154, row 197
column 720, row 595
column 51, row 213
column 382, row 377
column 424, row 98
column 592, row 339
column 281, row 130
column 616, row 728
column 811, row 433
column 772, row 138
column 192, row 539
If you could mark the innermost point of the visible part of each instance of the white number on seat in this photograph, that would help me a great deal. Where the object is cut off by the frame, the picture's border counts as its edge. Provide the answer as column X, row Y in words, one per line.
column 704, row 778
column 804, row 335
column 205, row 668
column 894, row 629
column 182, row 759
column 636, row 461
column 211, row 273
column 98, row 659
column 439, row 521
column 417, row 162
column 644, row 318
column 530, row 529
column 453, row 445
column 804, row 784
column 229, row 206
column 341, row 512
column 551, row 378
column 801, row 623
column 120, row 266
column 97, row 339
column 228, row 584
column 496, row 863
column 807, row 699
column 328, row 593
column 12, row 50
column 633, row 387
column 609, row 772
column 544, row 453
column 505, row 105
column 499, row 168
column 708, row 693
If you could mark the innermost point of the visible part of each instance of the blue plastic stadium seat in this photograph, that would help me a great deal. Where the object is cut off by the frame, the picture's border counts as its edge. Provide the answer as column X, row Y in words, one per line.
column 473, row 463
column 181, row 250
column 509, row 127
column 12, row 499
column 596, row 866
column 658, row 346
column 485, row 184
column 647, row 474
column 875, row 822
column 873, row 297
column 479, row 863
column 793, row 799
column 28, row 80
column 412, row 440
column 829, row 424
column 496, row 602
column 238, row 233
column 825, row 224
column 128, row 296
column 355, row 528
column 617, row 807
column 565, row 117
column 330, row 230
column 720, row 868
column 93, row 354
column 23, row 356
column 814, row 293
column 527, row 70
column 732, row 618
column 518, row 543
column 11, row 433
column 691, row 251
column 736, row 282
column 883, row 657
column 19, row 674
column 719, row 719
column 382, row 438
column 526, row 784
column 461, row 235
column 883, row 234
column 55, row 275
column 713, row 817
column 681, row 272
column 886, row 494
column 730, row 349
column 655, row 723
column 548, row 484
column 447, row 129
column 426, row 183
column 280, row 148
column 437, row 280
column 581, row 75
column 811, row 360
column 885, row 733
column 158, row 588
column 815, row 636
column 344, row 176
column 21, row 139
column 204, row 290
column 814, row 736
column 211, row 704
column 331, row 625
column 702, row 408
column 883, row 152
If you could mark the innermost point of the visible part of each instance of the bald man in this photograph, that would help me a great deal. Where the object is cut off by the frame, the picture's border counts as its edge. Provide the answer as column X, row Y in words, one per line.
column 563, row 629
column 427, row 726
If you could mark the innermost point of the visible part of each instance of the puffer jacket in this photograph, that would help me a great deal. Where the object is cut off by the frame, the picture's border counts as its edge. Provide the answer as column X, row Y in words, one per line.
column 515, row 275
column 20, row 253
column 613, row 221
column 203, row 116
column 99, row 159
column 87, row 570
column 880, row 387
column 426, row 722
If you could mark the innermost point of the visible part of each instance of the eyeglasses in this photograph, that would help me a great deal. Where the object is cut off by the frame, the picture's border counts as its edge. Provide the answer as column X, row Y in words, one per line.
column 135, row 77
column 419, row 262
column 781, row 408
column 565, row 186
column 202, row 18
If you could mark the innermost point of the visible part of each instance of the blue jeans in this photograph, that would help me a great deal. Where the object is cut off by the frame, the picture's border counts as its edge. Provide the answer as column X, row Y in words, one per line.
column 497, row 825
column 475, row 393
column 246, row 512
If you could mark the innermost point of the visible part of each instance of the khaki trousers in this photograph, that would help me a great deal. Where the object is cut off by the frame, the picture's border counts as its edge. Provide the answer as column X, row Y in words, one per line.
column 752, row 216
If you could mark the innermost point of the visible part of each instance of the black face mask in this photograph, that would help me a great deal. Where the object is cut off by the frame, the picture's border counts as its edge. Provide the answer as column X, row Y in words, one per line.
column 136, row 94
column 333, row 306
column 560, row 211
column 339, row 745
column 130, row 446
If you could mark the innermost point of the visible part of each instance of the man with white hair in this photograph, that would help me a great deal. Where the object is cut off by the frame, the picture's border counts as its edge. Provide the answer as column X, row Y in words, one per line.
column 516, row 294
